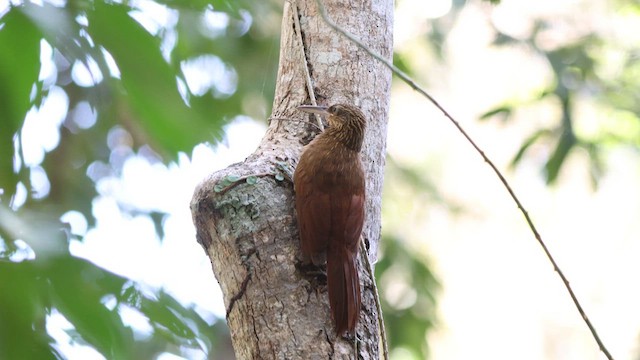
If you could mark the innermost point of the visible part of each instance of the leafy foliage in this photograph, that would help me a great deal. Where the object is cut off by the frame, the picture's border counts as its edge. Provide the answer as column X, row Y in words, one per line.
column 407, row 323
column 577, row 67
column 124, row 88
column 18, row 74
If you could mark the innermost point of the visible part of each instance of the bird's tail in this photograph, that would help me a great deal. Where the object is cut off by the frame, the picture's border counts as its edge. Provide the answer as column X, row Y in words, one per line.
column 344, row 289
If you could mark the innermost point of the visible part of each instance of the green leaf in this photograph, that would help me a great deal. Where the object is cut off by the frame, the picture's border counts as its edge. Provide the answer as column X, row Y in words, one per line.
column 565, row 144
column 23, row 310
column 231, row 7
column 78, row 288
column 596, row 163
column 149, row 81
column 75, row 288
column 19, row 68
column 503, row 111
column 172, row 322
column 59, row 28
column 167, row 316
column 527, row 144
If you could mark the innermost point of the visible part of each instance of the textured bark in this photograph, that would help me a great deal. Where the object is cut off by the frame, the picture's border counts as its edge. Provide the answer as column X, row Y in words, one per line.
column 276, row 307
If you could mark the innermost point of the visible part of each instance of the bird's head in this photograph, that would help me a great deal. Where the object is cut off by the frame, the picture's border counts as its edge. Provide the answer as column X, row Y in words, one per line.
column 346, row 122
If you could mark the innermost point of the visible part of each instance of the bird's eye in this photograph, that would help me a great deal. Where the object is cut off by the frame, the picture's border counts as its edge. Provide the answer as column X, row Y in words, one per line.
column 336, row 110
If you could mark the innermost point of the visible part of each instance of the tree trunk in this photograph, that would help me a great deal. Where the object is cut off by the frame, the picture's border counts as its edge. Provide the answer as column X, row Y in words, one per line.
column 245, row 216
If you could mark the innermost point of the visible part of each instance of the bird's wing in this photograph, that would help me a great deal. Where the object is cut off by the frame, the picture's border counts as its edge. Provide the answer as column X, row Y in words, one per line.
column 347, row 218
column 313, row 208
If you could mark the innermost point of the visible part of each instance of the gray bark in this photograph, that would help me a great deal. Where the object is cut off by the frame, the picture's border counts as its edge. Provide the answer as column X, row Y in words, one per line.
column 244, row 215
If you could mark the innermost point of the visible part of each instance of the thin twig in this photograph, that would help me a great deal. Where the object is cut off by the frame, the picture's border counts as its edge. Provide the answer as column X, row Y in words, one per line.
column 376, row 296
column 305, row 64
column 296, row 120
column 504, row 182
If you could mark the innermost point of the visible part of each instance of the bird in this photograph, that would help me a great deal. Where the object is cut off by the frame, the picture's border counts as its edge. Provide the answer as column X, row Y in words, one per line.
column 329, row 186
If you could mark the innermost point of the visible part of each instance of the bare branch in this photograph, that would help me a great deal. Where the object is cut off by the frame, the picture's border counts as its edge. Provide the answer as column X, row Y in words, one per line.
column 305, row 63
column 383, row 331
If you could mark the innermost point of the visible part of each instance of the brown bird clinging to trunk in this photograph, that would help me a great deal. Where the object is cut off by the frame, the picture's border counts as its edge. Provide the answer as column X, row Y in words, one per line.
column 329, row 184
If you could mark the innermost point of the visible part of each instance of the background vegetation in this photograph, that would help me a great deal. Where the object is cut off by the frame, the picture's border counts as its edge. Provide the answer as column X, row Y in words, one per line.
column 86, row 86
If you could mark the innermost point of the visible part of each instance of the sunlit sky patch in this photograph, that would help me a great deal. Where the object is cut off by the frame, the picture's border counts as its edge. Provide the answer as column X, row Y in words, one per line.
column 214, row 23
column 208, row 72
column 41, row 130
column 117, row 241
column 58, row 326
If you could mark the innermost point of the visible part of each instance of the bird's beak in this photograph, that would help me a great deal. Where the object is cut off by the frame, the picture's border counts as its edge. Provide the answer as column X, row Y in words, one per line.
column 322, row 110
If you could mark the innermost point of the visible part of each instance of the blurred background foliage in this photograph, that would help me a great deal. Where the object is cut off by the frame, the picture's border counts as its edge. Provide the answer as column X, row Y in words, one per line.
column 154, row 79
